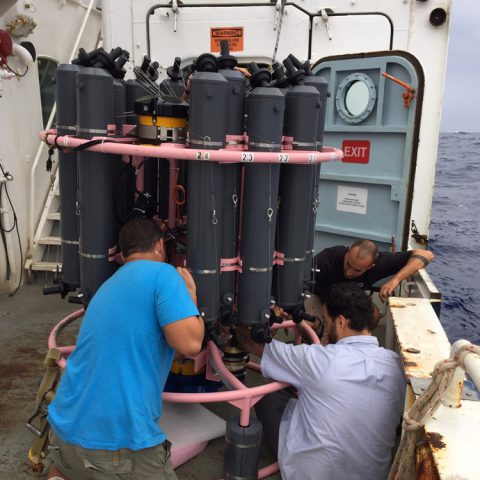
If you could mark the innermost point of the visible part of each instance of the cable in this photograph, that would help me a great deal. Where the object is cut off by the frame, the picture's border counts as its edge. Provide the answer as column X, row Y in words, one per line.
column 15, row 225
column 170, row 231
column 15, row 73
column 4, row 242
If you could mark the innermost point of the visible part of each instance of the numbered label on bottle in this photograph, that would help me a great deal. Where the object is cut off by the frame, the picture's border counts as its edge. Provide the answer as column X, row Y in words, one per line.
column 248, row 157
column 283, row 158
column 312, row 157
column 202, row 156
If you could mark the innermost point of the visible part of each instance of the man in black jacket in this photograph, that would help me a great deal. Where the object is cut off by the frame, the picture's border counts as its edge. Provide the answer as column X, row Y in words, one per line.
column 363, row 264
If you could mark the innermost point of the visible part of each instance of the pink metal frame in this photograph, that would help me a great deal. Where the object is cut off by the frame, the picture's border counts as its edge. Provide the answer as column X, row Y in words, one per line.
column 174, row 152
column 241, row 396
column 117, row 146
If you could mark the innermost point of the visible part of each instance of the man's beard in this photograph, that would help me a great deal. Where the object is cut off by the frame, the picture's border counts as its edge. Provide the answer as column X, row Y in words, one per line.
column 332, row 335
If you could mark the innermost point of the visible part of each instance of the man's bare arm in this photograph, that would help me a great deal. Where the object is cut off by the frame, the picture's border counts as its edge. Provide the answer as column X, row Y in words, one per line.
column 185, row 336
column 419, row 259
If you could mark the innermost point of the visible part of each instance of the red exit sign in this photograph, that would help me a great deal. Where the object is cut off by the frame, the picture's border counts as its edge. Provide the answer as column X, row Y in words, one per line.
column 356, row 151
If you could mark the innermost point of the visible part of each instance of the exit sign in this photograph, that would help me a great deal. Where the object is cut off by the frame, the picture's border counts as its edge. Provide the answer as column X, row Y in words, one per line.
column 356, row 151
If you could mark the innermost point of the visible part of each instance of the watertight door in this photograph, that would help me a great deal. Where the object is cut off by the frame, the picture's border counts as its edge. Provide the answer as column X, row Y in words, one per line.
column 375, row 122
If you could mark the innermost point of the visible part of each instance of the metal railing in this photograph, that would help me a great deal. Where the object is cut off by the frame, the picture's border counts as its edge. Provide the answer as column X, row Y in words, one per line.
column 40, row 150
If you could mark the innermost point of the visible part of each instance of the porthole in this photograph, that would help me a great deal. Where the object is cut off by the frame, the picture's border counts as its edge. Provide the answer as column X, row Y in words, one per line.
column 355, row 98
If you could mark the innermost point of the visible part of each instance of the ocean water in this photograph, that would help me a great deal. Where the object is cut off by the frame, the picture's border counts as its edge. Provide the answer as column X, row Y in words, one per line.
column 454, row 234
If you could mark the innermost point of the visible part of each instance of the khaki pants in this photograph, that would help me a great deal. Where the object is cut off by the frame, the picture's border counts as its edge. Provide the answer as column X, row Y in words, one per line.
column 78, row 463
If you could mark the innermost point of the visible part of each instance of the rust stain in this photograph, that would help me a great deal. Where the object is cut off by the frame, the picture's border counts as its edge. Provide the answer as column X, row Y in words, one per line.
column 435, row 440
column 412, row 350
column 424, row 463
column 397, row 306
column 410, row 364
column 425, row 466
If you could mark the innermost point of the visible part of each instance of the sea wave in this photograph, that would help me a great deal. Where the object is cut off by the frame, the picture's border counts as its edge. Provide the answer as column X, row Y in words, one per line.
column 454, row 230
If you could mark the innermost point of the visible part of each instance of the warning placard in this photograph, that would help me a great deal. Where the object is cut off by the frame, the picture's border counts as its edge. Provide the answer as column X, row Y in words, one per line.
column 352, row 199
column 234, row 35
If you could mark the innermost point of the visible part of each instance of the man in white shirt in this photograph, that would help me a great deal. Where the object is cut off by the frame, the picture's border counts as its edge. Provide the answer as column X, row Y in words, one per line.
column 350, row 396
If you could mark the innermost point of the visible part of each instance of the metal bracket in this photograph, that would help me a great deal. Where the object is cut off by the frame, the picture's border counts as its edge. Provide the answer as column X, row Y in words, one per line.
column 175, row 13
column 278, row 8
column 41, row 413
column 325, row 22
column 420, row 238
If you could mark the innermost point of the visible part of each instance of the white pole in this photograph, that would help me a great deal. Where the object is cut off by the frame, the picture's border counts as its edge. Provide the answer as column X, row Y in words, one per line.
column 470, row 359
column 106, row 25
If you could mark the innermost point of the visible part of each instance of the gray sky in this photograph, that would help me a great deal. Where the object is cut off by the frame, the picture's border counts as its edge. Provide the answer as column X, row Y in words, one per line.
column 461, row 110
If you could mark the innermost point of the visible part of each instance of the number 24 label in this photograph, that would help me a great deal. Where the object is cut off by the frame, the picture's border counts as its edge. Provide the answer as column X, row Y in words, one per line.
column 202, row 156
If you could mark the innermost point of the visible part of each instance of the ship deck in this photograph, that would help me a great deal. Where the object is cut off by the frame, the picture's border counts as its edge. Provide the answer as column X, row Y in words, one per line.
column 25, row 322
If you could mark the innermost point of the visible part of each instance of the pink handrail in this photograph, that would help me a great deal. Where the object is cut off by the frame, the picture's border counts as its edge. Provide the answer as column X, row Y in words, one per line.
column 52, row 339
column 180, row 152
column 243, row 397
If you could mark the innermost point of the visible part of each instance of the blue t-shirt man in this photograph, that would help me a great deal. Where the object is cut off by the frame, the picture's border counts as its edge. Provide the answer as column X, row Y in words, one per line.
column 110, row 395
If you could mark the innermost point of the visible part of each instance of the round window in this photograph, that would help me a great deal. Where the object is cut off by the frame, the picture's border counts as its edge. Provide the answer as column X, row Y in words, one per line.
column 355, row 98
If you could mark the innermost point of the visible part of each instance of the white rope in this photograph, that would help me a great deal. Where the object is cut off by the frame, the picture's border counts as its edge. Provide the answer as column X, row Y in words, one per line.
column 427, row 403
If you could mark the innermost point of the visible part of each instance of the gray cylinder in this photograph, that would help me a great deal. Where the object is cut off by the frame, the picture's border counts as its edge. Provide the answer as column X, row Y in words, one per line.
column 120, row 104
column 265, row 108
column 231, row 177
column 134, row 91
column 242, row 449
column 174, row 84
column 321, row 84
column 174, row 88
column 296, row 194
column 156, row 184
column 235, row 101
column 310, row 251
column 122, row 192
column 208, row 110
column 65, row 89
column 95, row 108
column 322, row 87
column 207, row 128
column 125, row 95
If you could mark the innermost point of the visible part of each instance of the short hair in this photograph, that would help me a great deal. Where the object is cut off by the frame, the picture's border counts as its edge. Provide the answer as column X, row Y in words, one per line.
column 366, row 248
column 139, row 235
column 349, row 300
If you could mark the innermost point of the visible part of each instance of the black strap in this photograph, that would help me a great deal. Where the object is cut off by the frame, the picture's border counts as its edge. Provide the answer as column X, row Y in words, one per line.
column 421, row 258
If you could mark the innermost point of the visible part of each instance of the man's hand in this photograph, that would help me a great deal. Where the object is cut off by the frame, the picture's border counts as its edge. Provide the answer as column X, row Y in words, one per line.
column 387, row 289
column 419, row 259
column 317, row 326
column 189, row 282
column 245, row 341
column 279, row 312
column 243, row 71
